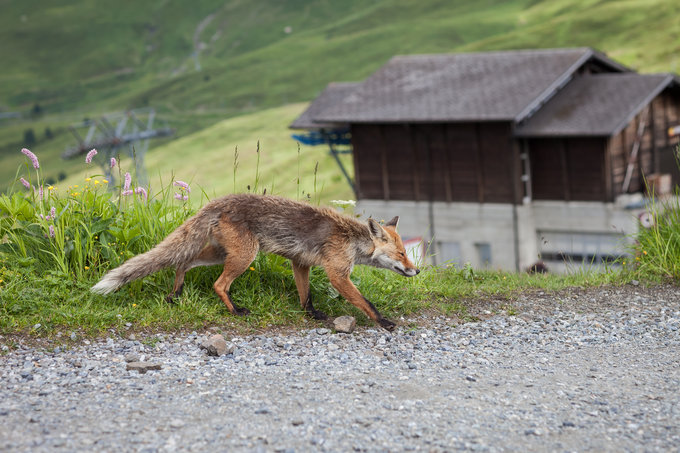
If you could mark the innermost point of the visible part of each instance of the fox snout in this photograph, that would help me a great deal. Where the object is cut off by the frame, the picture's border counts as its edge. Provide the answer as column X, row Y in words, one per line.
column 410, row 271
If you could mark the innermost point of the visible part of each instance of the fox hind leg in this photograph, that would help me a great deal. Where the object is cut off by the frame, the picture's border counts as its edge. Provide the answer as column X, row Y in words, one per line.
column 210, row 255
column 241, row 249
column 301, row 274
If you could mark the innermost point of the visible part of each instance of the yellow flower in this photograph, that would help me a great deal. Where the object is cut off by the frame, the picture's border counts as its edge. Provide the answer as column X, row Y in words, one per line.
column 87, row 268
column 105, row 181
column 96, row 181
column 134, row 305
column 252, row 268
column 76, row 186
column 50, row 187
column 87, row 179
column 644, row 251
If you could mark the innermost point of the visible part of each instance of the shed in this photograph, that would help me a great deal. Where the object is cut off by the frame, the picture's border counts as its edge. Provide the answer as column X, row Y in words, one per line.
column 481, row 145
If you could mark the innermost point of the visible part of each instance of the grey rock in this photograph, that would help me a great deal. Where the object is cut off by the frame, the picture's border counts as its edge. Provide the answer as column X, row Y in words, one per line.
column 344, row 324
column 132, row 357
column 143, row 367
column 216, row 345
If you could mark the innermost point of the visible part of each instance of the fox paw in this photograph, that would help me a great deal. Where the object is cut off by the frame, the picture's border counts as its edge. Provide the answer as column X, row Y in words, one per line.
column 387, row 324
column 318, row 314
column 240, row 311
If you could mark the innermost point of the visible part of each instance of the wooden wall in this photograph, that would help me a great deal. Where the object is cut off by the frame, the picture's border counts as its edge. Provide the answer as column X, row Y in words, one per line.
column 568, row 169
column 474, row 162
column 656, row 147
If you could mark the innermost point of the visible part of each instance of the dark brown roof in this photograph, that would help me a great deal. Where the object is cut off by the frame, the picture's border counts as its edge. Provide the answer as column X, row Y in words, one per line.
column 595, row 105
column 484, row 86
column 333, row 94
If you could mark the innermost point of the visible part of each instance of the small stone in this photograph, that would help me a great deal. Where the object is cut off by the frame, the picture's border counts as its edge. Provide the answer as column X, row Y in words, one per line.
column 470, row 378
column 262, row 410
column 568, row 424
column 132, row 337
column 297, row 422
column 74, row 337
column 217, row 346
column 177, row 423
column 634, row 282
column 131, row 357
column 323, row 331
column 143, row 367
column 344, row 324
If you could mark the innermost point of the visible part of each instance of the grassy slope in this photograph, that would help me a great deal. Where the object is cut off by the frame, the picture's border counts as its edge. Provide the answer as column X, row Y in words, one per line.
column 206, row 160
column 140, row 53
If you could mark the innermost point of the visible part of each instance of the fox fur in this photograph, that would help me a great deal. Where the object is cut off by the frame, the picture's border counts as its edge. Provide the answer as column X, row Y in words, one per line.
column 231, row 231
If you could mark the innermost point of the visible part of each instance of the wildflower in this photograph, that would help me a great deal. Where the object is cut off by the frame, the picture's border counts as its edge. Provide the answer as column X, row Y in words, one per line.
column 25, row 183
column 182, row 185
column 113, row 162
column 128, row 180
column 87, row 268
column 141, row 191
column 39, row 190
column 105, row 181
column 88, row 179
column 134, row 305
column 33, row 157
column 51, row 231
column 90, row 155
column 127, row 192
column 644, row 252
column 51, row 188
column 96, row 181
column 252, row 268
column 53, row 212
column 181, row 197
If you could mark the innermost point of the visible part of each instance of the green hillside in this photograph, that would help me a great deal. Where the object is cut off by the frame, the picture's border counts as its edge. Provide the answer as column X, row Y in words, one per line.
column 201, row 62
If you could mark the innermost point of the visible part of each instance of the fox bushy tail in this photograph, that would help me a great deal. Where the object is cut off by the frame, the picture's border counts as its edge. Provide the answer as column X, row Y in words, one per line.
column 179, row 248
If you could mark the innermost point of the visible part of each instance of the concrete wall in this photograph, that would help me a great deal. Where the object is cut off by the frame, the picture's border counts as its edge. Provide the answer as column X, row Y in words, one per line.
column 511, row 236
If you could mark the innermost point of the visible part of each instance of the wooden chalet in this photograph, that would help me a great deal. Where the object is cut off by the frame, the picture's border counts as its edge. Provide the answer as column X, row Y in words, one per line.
column 507, row 127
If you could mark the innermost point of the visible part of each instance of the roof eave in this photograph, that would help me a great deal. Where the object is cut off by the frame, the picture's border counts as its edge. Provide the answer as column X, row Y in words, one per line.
column 638, row 108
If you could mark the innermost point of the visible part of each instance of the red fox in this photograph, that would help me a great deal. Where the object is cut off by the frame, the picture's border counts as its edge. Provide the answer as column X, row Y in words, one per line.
column 232, row 229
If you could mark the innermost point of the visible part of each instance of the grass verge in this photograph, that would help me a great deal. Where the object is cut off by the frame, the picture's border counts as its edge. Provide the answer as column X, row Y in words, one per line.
column 54, row 247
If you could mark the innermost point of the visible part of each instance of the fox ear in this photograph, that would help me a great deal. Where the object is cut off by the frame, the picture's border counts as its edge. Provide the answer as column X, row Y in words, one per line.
column 375, row 229
column 393, row 222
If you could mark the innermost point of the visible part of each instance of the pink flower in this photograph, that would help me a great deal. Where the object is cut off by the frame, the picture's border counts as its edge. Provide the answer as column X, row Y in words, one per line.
column 128, row 180
column 90, row 155
column 39, row 190
column 25, row 183
column 53, row 212
column 51, row 231
column 183, row 185
column 181, row 197
column 127, row 192
column 141, row 191
column 31, row 156
column 113, row 162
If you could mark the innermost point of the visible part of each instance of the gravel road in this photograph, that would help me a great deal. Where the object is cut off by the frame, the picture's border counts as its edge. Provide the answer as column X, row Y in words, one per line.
column 578, row 370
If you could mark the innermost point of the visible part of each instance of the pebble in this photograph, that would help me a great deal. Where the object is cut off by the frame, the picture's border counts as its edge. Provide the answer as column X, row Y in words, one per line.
column 344, row 324
column 580, row 373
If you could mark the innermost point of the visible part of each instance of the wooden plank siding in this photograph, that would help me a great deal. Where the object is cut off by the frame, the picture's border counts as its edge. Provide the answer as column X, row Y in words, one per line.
column 568, row 169
column 439, row 161
column 655, row 154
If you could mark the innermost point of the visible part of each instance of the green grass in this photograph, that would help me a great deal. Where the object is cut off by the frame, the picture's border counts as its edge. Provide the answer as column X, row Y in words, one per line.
column 54, row 249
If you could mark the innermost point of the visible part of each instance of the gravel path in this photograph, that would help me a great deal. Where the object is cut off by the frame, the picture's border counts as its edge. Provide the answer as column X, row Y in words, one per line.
column 578, row 370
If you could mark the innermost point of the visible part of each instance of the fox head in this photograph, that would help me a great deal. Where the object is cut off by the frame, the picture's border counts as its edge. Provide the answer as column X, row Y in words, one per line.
column 389, row 252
